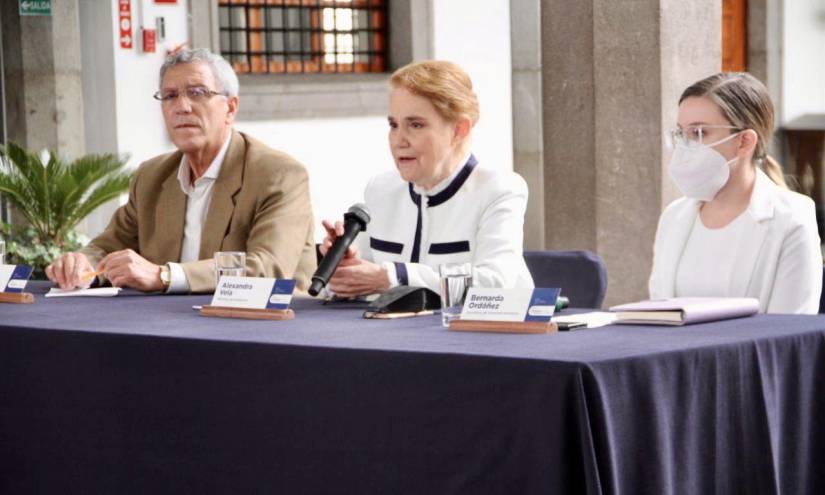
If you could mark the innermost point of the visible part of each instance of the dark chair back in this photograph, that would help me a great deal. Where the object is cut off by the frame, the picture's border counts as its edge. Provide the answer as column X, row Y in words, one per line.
column 581, row 275
column 822, row 295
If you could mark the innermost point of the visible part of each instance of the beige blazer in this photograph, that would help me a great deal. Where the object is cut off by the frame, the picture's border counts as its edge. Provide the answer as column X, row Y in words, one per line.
column 260, row 204
column 778, row 258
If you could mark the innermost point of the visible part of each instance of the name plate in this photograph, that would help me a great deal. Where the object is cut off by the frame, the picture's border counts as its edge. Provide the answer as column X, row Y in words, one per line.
column 13, row 278
column 485, row 304
column 254, row 293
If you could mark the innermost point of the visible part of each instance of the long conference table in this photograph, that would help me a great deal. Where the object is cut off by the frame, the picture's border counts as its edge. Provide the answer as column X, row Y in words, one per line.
column 140, row 394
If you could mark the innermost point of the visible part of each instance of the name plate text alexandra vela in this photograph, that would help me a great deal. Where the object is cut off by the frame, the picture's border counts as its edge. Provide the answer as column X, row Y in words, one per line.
column 253, row 293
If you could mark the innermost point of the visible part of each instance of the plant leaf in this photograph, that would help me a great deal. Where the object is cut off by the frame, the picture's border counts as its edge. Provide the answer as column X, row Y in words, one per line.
column 54, row 197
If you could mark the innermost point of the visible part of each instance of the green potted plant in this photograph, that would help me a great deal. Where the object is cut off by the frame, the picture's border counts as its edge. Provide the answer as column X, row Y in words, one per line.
column 53, row 197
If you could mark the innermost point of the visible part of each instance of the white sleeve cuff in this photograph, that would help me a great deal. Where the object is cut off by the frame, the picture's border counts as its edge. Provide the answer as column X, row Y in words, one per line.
column 178, row 284
column 392, row 277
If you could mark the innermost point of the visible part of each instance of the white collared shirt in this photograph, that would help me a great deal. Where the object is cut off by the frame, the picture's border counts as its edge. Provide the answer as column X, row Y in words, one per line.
column 198, row 198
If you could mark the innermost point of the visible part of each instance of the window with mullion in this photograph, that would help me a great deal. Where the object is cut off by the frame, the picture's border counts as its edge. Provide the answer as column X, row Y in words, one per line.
column 303, row 36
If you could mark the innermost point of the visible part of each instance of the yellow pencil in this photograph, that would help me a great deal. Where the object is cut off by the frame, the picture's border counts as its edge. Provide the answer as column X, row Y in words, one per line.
column 90, row 275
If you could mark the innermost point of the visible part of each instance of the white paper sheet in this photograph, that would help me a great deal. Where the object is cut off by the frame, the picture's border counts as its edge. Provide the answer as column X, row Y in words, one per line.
column 96, row 292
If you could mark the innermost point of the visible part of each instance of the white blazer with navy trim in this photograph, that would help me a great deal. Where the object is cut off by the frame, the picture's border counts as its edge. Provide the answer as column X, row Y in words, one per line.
column 779, row 259
column 476, row 216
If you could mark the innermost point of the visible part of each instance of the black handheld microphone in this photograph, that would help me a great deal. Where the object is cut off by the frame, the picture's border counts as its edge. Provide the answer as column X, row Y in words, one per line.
column 355, row 221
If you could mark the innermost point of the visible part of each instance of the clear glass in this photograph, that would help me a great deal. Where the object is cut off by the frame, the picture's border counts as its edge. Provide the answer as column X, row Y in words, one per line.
column 2, row 251
column 229, row 264
column 456, row 280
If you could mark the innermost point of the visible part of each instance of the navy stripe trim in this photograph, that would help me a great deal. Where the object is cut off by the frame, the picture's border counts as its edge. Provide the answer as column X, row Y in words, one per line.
column 414, row 196
column 386, row 246
column 416, row 249
column 436, row 200
column 401, row 274
column 455, row 185
column 450, row 247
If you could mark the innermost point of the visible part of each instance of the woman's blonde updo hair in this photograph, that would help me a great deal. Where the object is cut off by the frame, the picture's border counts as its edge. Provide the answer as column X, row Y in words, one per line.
column 746, row 104
column 444, row 84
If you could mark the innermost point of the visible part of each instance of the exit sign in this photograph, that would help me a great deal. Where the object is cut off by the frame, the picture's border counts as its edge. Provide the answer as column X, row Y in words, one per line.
column 35, row 7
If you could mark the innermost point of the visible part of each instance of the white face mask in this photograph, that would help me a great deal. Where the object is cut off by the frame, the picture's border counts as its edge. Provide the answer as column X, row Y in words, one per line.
column 698, row 170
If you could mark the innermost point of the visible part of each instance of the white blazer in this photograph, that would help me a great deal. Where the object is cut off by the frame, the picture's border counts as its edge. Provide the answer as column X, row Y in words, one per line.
column 476, row 215
column 779, row 259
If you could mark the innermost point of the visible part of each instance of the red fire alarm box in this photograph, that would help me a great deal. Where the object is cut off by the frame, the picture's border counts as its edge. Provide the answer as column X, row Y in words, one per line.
column 149, row 40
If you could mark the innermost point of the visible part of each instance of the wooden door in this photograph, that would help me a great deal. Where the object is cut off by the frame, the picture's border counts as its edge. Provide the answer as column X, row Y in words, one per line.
column 734, row 35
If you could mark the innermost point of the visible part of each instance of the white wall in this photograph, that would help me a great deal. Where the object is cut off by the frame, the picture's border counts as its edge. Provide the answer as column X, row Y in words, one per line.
column 140, row 128
column 476, row 36
column 125, row 119
column 803, row 57
column 340, row 154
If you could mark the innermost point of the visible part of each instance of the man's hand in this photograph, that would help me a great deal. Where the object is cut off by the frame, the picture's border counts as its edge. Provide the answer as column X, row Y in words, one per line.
column 70, row 271
column 334, row 231
column 126, row 268
column 357, row 277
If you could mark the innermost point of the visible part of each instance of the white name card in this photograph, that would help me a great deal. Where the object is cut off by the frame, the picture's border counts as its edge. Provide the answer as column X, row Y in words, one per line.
column 485, row 304
column 254, row 293
column 13, row 278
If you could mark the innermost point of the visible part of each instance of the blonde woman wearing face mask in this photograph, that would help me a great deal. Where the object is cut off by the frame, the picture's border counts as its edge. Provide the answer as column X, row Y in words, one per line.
column 438, row 205
column 739, row 231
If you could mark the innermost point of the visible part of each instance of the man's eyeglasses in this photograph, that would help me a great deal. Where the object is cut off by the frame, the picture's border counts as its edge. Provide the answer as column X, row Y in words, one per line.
column 692, row 135
column 195, row 94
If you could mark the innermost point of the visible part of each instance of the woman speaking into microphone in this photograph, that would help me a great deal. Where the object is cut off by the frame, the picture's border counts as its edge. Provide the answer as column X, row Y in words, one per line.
column 439, row 205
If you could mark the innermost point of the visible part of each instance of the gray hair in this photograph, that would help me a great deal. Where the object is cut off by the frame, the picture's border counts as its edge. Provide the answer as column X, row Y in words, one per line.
column 223, row 72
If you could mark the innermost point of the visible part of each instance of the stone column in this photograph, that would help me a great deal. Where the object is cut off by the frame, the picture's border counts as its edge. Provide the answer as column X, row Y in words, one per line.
column 44, row 99
column 528, row 158
column 612, row 72
column 765, row 59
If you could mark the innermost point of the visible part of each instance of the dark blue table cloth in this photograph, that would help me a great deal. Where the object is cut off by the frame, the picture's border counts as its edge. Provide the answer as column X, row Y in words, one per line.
column 140, row 394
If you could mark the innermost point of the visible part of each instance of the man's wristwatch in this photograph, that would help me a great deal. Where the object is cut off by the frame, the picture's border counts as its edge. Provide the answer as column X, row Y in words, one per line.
column 165, row 276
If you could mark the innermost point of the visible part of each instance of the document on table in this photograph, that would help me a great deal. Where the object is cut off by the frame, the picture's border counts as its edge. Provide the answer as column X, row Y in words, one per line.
column 96, row 292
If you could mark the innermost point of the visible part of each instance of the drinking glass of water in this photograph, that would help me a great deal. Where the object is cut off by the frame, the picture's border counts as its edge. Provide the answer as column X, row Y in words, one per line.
column 456, row 280
column 229, row 264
